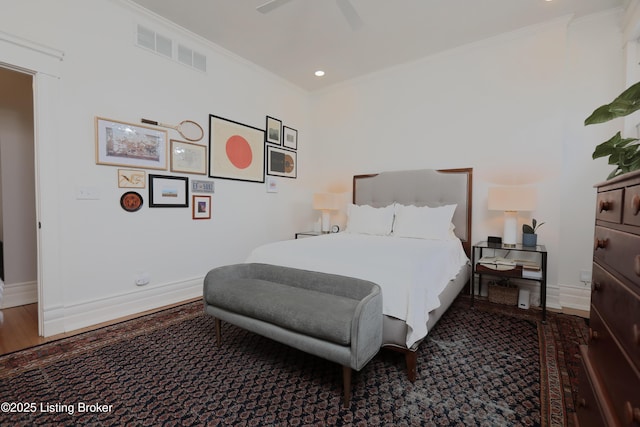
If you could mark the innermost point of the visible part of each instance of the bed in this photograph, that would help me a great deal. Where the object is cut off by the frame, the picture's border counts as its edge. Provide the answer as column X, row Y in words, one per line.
column 420, row 277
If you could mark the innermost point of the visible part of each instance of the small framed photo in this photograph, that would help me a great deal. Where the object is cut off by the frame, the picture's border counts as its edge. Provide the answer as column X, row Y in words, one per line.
column 289, row 138
column 168, row 191
column 129, row 178
column 282, row 162
column 201, row 207
column 273, row 135
column 187, row 157
column 272, row 184
column 125, row 144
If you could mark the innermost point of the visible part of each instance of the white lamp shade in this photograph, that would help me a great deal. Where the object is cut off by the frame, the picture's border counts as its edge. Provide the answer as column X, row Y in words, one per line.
column 325, row 202
column 512, row 198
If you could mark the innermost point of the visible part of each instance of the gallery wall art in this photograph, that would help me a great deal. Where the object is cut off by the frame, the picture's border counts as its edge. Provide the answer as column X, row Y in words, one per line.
column 236, row 150
column 125, row 144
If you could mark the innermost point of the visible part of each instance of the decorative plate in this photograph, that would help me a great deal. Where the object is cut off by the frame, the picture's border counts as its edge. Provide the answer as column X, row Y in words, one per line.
column 131, row 201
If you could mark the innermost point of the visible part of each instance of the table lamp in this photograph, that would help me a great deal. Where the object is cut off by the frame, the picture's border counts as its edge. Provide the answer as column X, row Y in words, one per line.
column 511, row 200
column 325, row 202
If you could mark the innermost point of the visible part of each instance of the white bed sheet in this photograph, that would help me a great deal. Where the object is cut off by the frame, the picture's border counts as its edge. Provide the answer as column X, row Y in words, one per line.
column 411, row 272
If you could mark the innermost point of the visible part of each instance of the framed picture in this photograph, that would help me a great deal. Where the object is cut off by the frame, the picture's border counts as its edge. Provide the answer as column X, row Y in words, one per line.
column 272, row 184
column 274, row 131
column 124, row 144
column 129, row 178
column 236, row 151
column 290, row 137
column 187, row 157
column 281, row 162
column 201, row 207
column 168, row 191
column 202, row 186
column 131, row 201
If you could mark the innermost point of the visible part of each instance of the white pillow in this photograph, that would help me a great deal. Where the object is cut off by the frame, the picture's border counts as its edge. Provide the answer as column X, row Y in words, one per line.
column 423, row 222
column 366, row 219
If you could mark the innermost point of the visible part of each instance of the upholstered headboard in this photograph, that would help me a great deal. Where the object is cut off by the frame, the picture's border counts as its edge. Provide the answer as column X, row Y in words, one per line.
column 426, row 187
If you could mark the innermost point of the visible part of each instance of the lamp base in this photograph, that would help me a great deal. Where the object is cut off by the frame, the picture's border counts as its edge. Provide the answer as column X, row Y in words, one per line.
column 326, row 221
column 510, row 229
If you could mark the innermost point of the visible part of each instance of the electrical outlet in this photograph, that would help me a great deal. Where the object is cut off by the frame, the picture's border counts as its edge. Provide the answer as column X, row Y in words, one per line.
column 142, row 279
column 585, row 276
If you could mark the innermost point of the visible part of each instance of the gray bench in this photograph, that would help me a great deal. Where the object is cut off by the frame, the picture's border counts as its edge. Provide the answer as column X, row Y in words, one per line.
column 334, row 317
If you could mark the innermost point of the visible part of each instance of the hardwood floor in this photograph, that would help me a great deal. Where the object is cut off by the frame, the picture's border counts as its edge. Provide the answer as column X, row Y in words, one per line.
column 19, row 326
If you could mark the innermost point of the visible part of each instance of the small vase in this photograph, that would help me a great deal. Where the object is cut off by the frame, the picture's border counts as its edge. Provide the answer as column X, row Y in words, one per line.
column 529, row 239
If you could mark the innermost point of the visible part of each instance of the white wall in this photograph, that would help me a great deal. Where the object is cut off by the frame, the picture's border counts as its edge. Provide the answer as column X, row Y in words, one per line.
column 100, row 247
column 511, row 107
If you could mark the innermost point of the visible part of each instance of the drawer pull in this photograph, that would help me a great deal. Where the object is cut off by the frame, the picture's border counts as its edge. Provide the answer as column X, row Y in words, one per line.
column 605, row 206
column 596, row 287
column 631, row 414
column 600, row 244
column 635, row 204
column 593, row 335
column 582, row 402
column 636, row 334
column 636, row 265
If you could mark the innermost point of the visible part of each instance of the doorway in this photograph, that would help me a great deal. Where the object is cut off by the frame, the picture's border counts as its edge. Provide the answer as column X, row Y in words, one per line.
column 18, row 218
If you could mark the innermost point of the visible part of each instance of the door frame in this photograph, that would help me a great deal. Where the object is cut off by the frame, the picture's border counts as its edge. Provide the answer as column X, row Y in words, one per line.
column 44, row 64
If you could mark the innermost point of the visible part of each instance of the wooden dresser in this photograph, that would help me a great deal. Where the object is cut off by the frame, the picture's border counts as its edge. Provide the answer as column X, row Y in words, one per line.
column 609, row 388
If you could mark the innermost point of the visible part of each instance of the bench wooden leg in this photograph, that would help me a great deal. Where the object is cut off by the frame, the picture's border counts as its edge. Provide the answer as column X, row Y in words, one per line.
column 346, row 384
column 411, row 357
column 218, row 333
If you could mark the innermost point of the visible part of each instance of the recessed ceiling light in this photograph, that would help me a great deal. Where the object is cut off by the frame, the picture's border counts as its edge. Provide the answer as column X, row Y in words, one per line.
column 319, row 73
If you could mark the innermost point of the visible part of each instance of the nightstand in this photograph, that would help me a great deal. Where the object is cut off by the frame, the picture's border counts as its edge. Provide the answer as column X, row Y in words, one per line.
column 304, row 234
column 521, row 262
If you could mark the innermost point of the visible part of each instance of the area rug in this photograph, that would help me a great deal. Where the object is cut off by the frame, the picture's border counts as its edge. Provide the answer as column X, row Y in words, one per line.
column 485, row 366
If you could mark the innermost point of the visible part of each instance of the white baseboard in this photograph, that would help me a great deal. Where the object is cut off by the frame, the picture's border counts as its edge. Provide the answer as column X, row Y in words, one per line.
column 62, row 319
column 16, row 294
column 577, row 297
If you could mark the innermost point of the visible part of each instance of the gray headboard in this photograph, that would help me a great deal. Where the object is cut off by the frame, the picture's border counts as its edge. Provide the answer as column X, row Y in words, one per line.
column 426, row 187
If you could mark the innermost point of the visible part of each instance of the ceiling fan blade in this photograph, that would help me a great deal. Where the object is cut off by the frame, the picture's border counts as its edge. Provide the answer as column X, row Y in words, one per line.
column 350, row 14
column 270, row 5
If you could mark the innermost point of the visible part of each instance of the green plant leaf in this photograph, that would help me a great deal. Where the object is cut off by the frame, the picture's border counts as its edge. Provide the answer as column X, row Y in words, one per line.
column 614, row 173
column 527, row 229
column 626, row 103
column 606, row 148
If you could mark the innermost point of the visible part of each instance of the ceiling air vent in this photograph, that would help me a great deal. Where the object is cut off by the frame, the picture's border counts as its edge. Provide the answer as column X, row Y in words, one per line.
column 158, row 43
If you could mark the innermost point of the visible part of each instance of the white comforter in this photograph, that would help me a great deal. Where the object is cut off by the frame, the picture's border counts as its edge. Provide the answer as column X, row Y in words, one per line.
column 411, row 272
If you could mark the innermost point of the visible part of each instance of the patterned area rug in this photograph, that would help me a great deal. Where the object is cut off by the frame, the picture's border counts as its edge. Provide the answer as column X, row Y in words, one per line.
column 488, row 366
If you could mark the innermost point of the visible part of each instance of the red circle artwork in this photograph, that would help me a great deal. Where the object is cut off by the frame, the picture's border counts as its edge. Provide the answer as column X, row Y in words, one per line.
column 239, row 152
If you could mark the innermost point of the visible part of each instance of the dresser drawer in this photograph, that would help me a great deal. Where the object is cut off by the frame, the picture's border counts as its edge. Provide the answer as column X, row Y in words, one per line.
column 619, row 250
column 621, row 307
column 609, row 206
column 588, row 409
column 621, row 381
column 631, row 213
